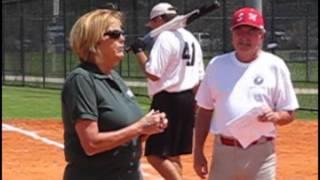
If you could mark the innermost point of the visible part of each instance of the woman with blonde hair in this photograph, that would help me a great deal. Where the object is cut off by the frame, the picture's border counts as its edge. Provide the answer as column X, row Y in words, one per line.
column 103, row 124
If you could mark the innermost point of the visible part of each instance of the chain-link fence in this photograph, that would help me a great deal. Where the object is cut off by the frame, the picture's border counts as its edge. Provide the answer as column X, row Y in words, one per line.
column 35, row 36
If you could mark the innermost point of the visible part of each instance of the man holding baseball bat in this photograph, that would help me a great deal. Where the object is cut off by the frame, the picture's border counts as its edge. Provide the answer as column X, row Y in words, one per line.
column 174, row 70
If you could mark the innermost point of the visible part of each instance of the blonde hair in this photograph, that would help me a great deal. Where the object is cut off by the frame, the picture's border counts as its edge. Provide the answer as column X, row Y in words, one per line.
column 89, row 29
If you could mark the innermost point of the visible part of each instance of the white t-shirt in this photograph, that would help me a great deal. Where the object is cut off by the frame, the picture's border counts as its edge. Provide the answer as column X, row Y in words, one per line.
column 232, row 88
column 176, row 58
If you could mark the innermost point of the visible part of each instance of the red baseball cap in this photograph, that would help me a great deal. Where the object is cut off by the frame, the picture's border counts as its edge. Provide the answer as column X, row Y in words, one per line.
column 247, row 16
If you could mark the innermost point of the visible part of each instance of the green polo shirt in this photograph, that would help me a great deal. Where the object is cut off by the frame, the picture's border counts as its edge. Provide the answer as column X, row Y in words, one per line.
column 89, row 94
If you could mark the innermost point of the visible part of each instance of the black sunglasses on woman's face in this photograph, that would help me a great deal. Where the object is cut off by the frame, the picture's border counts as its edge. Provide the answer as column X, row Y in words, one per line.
column 114, row 34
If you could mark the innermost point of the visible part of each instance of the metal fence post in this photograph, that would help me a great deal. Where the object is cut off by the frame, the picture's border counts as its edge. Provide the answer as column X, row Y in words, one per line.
column 64, row 39
column 22, row 42
column 307, row 44
column 272, row 24
column 224, row 27
column 255, row 3
column 3, row 46
column 43, row 55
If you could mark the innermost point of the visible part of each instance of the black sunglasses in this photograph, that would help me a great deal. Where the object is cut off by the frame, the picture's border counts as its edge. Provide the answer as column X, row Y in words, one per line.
column 115, row 34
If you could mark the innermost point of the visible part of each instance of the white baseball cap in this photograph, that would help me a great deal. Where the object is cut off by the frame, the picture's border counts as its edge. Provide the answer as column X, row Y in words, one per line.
column 162, row 8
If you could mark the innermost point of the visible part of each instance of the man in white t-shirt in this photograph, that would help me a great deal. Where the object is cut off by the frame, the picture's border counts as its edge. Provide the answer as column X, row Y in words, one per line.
column 174, row 69
column 245, row 83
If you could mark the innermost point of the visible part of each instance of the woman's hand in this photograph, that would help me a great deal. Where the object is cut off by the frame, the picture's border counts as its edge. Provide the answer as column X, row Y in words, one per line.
column 152, row 123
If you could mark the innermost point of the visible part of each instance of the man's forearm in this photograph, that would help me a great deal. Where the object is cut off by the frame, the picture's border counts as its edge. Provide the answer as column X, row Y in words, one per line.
column 285, row 117
column 142, row 60
column 202, row 125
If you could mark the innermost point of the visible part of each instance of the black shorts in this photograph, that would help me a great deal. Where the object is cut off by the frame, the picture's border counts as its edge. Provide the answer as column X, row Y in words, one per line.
column 177, row 137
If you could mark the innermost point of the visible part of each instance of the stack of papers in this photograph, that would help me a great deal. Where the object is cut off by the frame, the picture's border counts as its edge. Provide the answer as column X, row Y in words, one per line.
column 247, row 128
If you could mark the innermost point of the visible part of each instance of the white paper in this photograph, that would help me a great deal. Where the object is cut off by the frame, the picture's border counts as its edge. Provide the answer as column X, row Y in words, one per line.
column 178, row 22
column 247, row 128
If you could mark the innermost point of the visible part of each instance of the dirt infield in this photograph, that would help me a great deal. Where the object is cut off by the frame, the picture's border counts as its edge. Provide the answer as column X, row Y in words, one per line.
column 27, row 158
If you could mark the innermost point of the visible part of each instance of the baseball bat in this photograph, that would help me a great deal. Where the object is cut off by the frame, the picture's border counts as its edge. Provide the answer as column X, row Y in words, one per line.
column 178, row 22
column 203, row 10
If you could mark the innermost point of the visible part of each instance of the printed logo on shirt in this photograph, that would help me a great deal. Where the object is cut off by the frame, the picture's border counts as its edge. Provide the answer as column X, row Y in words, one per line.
column 258, row 80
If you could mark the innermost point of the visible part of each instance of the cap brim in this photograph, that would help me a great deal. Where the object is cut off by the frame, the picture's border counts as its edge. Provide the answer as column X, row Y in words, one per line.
column 247, row 24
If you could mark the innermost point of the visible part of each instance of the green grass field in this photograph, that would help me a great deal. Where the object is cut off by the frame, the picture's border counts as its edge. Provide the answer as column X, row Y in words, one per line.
column 27, row 103
column 54, row 65
column 34, row 103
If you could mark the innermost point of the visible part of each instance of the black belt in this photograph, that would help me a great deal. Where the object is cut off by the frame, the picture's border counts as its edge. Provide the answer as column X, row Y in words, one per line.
column 233, row 142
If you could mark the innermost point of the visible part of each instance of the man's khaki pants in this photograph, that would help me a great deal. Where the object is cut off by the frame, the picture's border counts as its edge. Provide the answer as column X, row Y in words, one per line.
column 256, row 162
